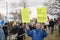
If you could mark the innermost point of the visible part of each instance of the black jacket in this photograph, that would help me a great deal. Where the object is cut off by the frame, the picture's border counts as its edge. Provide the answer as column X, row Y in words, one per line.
column 51, row 23
column 20, row 31
column 14, row 30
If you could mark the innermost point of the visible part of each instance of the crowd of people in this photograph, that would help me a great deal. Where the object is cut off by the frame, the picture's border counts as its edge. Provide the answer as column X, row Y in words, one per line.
column 37, row 31
column 14, row 31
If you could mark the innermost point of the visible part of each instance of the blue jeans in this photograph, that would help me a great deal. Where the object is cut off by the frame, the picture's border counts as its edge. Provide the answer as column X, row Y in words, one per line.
column 52, row 29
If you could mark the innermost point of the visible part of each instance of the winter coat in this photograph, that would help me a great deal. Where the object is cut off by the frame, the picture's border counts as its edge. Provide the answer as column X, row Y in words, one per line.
column 37, row 34
column 2, row 35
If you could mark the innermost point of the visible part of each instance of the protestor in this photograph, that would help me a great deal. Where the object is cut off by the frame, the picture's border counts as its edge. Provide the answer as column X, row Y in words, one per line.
column 5, row 28
column 47, row 23
column 37, row 34
column 14, row 32
column 9, row 31
column 45, row 26
column 32, row 26
column 55, row 23
column 51, row 26
column 59, row 24
column 2, row 35
column 20, row 32
column 24, row 30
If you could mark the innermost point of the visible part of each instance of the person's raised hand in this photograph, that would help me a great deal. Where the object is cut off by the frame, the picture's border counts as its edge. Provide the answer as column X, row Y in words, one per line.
column 27, row 27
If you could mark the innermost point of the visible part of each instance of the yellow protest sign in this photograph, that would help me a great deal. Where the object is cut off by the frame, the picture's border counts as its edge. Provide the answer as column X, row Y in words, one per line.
column 25, row 15
column 42, row 14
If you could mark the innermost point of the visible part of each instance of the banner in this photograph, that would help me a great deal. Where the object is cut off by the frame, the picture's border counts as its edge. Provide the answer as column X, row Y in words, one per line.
column 42, row 14
column 25, row 15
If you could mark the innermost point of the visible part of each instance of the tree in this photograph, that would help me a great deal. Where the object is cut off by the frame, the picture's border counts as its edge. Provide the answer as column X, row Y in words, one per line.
column 14, row 6
column 53, row 7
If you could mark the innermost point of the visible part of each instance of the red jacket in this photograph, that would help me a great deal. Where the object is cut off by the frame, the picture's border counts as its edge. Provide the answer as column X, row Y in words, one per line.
column 58, row 20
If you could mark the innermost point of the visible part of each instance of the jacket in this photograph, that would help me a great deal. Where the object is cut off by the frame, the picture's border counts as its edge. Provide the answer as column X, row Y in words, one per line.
column 14, row 30
column 20, row 31
column 37, row 34
column 2, row 36
column 5, row 29
column 59, row 20
column 51, row 23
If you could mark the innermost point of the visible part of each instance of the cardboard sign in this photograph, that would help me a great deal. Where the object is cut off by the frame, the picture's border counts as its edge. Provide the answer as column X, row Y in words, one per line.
column 25, row 15
column 42, row 14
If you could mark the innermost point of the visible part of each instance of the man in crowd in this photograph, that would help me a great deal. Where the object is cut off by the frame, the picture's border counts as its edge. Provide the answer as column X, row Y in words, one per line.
column 2, row 36
column 59, row 24
column 32, row 26
column 51, row 26
column 37, row 34
column 55, row 23
column 14, row 32
column 20, row 32
column 5, row 28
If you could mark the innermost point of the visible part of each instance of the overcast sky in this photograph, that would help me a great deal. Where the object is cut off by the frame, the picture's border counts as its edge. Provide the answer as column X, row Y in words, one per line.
column 32, row 4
